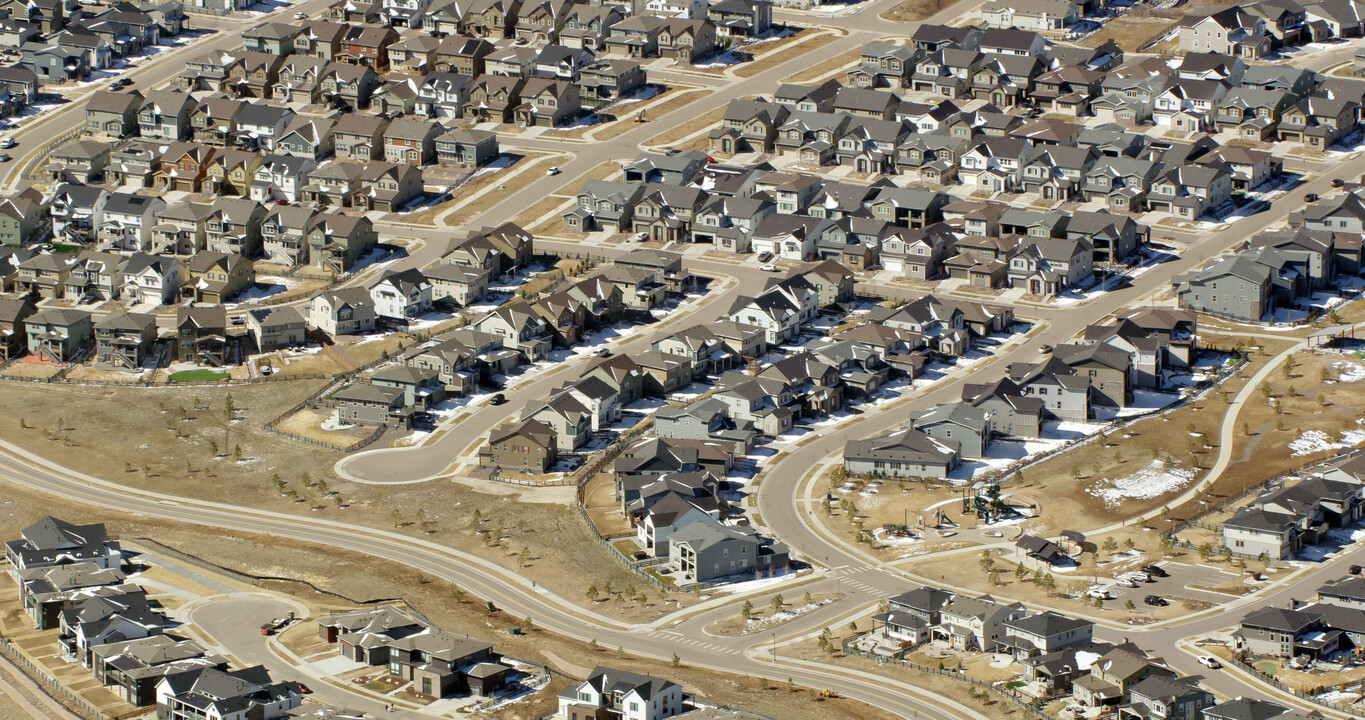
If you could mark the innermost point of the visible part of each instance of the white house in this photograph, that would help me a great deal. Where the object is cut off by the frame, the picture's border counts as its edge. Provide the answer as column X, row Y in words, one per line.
column 620, row 694
column 402, row 295
column 153, row 279
column 281, row 177
column 780, row 310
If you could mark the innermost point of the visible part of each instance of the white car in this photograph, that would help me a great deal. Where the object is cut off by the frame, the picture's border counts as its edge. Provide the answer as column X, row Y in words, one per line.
column 768, row 268
column 300, row 16
column 554, row 170
column 1209, row 662
column 7, row 143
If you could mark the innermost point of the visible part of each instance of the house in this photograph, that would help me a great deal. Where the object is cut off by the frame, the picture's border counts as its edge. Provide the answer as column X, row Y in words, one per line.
column 1062, row 391
column 547, row 103
column 165, row 114
column 521, row 328
column 909, row 615
column 337, row 242
column 456, row 284
column 366, row 404
column 401, row 295
column 1037, row 15
column 960, row 423
column 608, row 691
column 14, row 310
column 1109, row 368
column 907, row 453
column 80, row 161
column 781, row 309
column 1045, row 632
column 131, row 669
column 58, row 335
column 113, row 114
column 570, row 419
column 411, row 140
column 1245, row 294
column 209, row 692
column 1113, row 674
column 1163, row 698
column 1255, row 532
column 705, row 551
column 51, row 542
column 201, row 335
column 971, row 623
column 475, row 148
column 215, row 277
column 276, row 328
column 359, row 137
column 152, row 279
column 1232, row 31
column 348, row 311
column 422, row 388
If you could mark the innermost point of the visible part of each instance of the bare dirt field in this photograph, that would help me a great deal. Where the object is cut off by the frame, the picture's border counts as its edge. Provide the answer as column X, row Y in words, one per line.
column 916, row 10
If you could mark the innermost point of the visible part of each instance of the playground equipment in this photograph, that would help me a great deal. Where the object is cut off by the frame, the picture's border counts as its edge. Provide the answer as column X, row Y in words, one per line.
column 898, row 530
column 986, row 505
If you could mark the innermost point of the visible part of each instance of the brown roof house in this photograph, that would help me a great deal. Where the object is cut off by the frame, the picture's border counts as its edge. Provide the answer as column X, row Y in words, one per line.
column 527, row 446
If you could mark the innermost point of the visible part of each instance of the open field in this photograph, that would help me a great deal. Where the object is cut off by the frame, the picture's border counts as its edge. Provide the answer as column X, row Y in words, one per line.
column 1130, row 31
column 916, row 10
column 364, row 580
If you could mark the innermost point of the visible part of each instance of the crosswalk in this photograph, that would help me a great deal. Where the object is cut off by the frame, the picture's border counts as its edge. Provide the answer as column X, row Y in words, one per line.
column 681, row 639
column 847, row 577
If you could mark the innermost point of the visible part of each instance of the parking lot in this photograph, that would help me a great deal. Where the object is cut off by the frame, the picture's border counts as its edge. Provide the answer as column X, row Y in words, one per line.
column 1176, row 585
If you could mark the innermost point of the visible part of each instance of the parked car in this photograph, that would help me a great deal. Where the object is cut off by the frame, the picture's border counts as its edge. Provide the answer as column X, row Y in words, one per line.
column 764, row 256
column 1209, row 662
column 498, row 399
column 1310, row 197
column 768, row 268
column 4, row 157
column 300, row 16
column 1154, row 570
column 1155, row 600
column 602, row 353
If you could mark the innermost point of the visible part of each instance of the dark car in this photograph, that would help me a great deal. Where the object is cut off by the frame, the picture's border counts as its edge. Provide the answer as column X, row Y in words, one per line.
column 1156, row 600
column 1310, row 197
column 765, row 256
column 1154, row 570
column 1338, row 182
column 1354, row 570
column 498, row 399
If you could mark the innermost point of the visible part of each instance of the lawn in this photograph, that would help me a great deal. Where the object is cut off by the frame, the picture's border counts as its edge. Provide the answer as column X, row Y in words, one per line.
column 197, row 375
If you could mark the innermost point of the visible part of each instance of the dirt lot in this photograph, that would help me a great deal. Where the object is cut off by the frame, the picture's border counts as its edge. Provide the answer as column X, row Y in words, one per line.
column 24, row 369
column 916, row 10
column 364, row 579
column 1130, row 32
